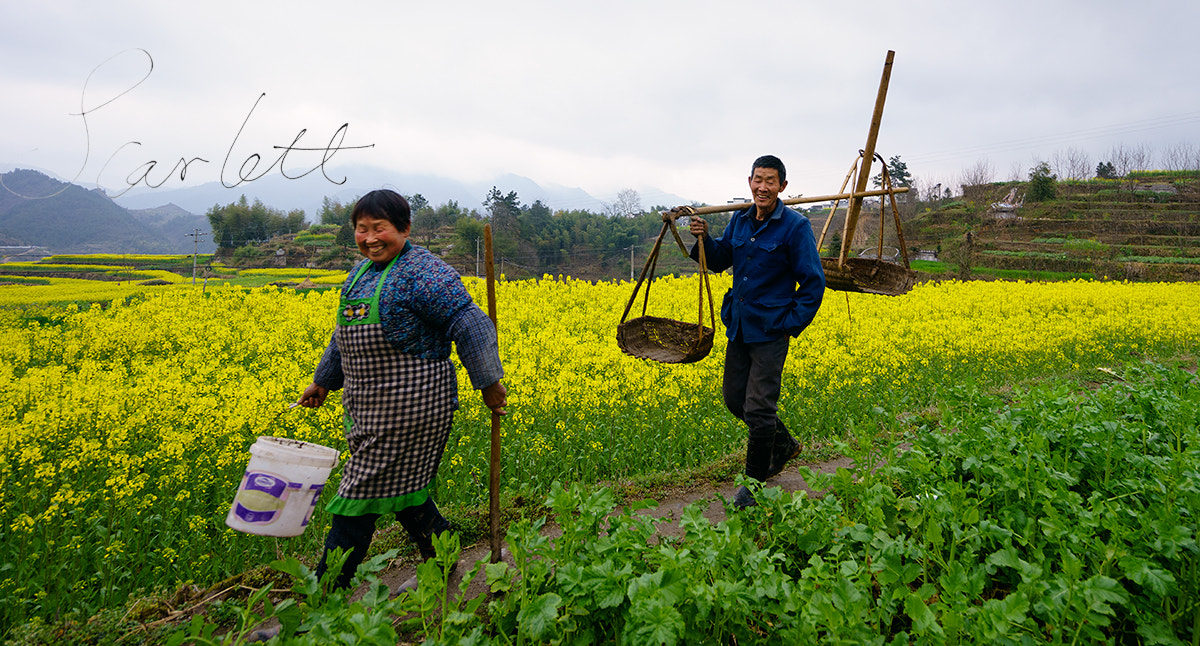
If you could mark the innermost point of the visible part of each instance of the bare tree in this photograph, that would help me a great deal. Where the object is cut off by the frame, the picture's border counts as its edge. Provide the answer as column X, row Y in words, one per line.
column 628, row 204
column 931, row 189
column 1081, row 164
column 981, row 173
column 923, row 189
column 1142, row 157
column 1072, row 163
column 1181, row 156
column 1016, row 172
column 1129, row 158
column 1058, row 163
column 1118, row 156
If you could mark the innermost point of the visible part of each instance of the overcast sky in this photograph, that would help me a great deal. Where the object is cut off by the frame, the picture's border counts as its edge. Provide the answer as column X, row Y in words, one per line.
column 680, row 95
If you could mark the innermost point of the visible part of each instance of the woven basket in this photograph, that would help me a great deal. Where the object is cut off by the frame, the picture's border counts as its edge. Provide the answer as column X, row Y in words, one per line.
column 664, row 340
column 869, row 276
column 661, row 339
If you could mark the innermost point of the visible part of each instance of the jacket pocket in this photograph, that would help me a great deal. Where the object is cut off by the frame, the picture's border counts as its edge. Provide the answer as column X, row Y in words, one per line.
column 779, row 315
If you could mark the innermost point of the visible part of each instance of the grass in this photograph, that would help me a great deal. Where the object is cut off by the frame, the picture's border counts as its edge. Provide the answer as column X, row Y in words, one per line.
column 931, row 266
column 1036, row 409
column 941, row 269
column 24, row 280
column 1173, row 260
column 588, row 414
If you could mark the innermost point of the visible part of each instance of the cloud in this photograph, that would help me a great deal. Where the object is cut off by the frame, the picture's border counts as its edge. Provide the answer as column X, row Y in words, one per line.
column 675, row 95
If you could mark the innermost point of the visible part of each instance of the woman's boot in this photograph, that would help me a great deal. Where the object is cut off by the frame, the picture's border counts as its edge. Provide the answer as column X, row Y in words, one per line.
column 422, row 523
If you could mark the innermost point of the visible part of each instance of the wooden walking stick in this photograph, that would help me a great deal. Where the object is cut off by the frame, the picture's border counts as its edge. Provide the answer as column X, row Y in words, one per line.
column 494, row 466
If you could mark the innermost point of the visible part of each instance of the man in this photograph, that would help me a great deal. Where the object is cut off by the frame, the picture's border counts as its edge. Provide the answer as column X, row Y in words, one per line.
column 777, row 288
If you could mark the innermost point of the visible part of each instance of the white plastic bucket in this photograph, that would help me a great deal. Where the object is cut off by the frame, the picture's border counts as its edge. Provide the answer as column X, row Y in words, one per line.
column 280, row 488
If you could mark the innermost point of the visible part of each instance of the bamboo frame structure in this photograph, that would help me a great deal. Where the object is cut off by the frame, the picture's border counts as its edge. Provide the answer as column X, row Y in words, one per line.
column 868, row 275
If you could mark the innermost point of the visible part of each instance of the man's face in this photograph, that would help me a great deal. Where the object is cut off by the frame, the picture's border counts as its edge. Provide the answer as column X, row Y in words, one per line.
column 765, row 187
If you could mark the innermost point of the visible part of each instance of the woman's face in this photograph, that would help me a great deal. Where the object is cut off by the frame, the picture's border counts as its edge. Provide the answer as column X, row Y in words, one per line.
column 378, row 239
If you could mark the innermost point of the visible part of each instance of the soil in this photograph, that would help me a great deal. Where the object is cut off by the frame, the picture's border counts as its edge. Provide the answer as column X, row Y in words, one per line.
column 670, row 509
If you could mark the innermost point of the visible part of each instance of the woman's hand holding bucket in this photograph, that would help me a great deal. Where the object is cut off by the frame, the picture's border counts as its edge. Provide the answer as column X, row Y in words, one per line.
column 313, row 396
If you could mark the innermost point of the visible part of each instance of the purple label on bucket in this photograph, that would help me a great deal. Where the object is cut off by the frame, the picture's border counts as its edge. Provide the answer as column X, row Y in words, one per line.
column 266, row 482
column 265, row 493
column 315, row 492
column 251, row 516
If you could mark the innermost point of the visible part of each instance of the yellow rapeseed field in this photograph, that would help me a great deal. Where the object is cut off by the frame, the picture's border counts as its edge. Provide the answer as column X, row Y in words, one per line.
column 125, row 428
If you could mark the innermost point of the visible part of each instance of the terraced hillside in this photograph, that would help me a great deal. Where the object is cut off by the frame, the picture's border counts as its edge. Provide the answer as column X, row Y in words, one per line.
column 1142, row 228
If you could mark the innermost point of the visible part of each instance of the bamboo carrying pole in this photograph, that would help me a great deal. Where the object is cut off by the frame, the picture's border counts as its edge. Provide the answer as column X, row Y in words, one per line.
column 494, row 464
column 868, row 154
column 804, row 199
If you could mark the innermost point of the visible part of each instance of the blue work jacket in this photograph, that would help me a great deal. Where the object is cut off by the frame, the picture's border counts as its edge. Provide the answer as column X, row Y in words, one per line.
column 778, row 282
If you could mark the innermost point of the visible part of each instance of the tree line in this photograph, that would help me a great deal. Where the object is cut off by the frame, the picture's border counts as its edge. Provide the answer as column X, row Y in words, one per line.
column 242, row 223
column 531, row 235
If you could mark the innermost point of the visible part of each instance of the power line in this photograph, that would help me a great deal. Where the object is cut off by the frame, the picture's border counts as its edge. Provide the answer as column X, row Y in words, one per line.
column 1065, row 137
column 195, row 236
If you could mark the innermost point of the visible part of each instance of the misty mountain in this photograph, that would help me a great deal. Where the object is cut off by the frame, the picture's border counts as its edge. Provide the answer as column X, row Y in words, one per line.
column 36, row 209
column 65, row 218
column 308, row 193
column 186, row 232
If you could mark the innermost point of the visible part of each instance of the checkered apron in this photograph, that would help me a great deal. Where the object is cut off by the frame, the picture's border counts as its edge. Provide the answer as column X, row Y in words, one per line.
column 399, row 407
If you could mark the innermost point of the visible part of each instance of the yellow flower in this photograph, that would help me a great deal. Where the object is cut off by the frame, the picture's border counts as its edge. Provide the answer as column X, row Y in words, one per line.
column 147, row 406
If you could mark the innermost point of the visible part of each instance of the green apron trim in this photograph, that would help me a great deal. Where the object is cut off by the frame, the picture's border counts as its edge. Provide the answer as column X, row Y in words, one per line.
column 365, row 311
column 382, row 506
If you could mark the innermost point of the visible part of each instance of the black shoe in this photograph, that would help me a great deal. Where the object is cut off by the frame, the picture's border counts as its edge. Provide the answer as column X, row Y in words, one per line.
column 263, row 634
column 424, row 540
column 782, row 454
column 743, row 498
column 758, row 460
column 408, row 586
column 422, row 523
column 411, row 584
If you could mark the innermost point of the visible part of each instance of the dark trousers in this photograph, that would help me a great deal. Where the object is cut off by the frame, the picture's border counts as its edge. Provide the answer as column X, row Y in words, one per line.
column 753, row 374
column 354, row 533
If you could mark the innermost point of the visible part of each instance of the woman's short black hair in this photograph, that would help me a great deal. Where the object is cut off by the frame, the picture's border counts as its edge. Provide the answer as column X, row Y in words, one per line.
column 770, row 161
column 386, row 204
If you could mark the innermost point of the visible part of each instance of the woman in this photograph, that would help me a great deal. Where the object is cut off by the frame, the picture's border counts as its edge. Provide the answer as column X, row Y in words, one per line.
column 400, row 310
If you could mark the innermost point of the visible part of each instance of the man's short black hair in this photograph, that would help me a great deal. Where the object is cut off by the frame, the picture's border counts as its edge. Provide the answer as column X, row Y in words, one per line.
column 770, row 161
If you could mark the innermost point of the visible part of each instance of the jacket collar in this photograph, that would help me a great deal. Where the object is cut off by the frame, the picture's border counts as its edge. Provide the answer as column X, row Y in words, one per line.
column 775, row 215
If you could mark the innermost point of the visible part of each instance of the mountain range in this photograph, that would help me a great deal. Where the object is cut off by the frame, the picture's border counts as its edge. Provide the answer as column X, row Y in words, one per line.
column 38, row 211
column 158, row 220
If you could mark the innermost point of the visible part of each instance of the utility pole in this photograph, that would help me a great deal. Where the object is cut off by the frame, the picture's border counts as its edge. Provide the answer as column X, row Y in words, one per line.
column 477, row 257
column 630, row 263
column 195, row 236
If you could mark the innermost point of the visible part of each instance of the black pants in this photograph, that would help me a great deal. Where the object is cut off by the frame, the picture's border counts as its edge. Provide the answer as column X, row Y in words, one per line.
column 753, row 374
column 354, row 533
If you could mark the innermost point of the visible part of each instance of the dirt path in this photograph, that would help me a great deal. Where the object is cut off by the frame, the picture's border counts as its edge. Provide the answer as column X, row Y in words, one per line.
column 670, row 508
